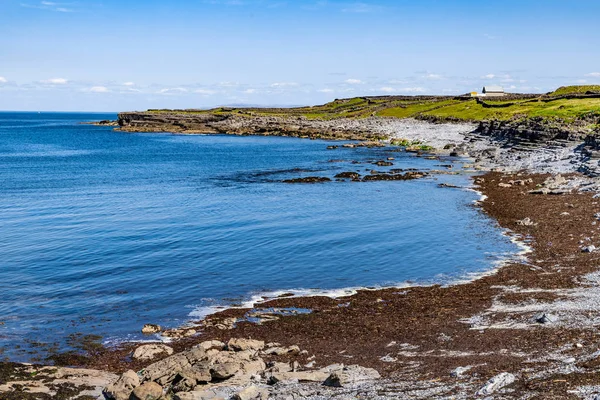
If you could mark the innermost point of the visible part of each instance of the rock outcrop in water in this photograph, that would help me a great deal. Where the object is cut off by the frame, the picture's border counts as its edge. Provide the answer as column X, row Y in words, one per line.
column 198, row 122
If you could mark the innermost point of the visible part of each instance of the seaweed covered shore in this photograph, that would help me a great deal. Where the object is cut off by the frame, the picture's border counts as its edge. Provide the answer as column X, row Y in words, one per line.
column 531, row 325
column 527, row 331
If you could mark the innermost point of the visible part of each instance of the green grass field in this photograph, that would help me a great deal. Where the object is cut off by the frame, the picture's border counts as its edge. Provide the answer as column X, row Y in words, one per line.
column 550, row 106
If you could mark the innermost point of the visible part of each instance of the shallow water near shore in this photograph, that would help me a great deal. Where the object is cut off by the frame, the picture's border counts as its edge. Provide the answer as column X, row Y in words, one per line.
column 102, row 232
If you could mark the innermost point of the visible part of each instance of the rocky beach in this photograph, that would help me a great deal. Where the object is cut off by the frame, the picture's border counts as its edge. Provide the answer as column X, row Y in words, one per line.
column 527, row 330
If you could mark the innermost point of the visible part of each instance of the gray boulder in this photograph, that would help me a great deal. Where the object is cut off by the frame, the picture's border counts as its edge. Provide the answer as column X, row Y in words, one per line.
column 147, row 391
column 122, row 388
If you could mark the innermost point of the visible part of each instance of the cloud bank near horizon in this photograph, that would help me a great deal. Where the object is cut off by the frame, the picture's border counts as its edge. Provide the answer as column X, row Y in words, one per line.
column 75, row 56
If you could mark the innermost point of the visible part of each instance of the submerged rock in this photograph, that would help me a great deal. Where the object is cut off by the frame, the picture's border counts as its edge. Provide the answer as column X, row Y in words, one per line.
column 308, row 179
column 151, row 328
column 395, row 177
column 383, row 163
column 348, row 175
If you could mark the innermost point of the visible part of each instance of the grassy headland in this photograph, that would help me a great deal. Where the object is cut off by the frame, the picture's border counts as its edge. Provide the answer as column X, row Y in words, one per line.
column 567, row 102
column 570, row 111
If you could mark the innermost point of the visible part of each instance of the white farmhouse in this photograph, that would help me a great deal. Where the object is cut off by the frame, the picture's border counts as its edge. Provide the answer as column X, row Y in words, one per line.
column 490, row 91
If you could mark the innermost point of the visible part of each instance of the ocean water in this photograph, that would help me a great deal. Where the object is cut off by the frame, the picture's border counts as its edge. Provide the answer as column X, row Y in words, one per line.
column 102, row 232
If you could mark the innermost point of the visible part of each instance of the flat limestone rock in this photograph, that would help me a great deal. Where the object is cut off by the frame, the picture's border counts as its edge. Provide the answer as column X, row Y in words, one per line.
column 245, row 344
column 351, row 375
column 150, row 351
column 90, row 382
column 165, row 371
column 211, row 344
column 283, row 351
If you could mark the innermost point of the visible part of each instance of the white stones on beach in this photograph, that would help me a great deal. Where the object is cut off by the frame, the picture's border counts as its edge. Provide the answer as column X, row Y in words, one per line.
column 521, row 182
column 460, row 371
column 122, row 388
column 526, row 222
column 149, row 329
column 496, row 383
column 588, row 249
column 545, row 318
column 150, row 351
column 388, row 359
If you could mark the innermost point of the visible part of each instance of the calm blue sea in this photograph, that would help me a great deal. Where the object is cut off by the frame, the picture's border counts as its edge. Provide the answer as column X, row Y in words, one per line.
column 102, row 232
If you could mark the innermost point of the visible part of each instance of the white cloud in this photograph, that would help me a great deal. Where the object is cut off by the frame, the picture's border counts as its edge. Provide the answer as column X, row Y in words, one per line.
column 98, row 89
column 50, row 6
column 128, row 84
column 229, row 84
column 326, row 90
column 3, row 79
column 581, row 81
column 361, row 8
column 387, row 89
column 56, row 81
column 250, row 91
column 283, row 84
column 488, row 76
column 434, row 77
column 413, row 90
column 173, row 90
column 204, row 91
column 593, row 74
column 353, row 81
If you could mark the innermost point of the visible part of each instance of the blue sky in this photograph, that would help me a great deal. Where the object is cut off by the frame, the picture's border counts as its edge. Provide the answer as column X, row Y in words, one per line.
column 109, row 55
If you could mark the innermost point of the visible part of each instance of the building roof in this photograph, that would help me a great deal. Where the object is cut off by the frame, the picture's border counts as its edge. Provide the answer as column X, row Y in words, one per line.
column 493, row 89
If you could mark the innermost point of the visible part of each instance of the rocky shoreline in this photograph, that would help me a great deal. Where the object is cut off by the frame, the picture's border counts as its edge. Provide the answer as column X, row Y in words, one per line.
column 533, row 144
column 526, row 331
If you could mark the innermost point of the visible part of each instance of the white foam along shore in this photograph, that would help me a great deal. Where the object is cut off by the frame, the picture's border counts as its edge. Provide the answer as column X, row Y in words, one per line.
column 200, row 313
